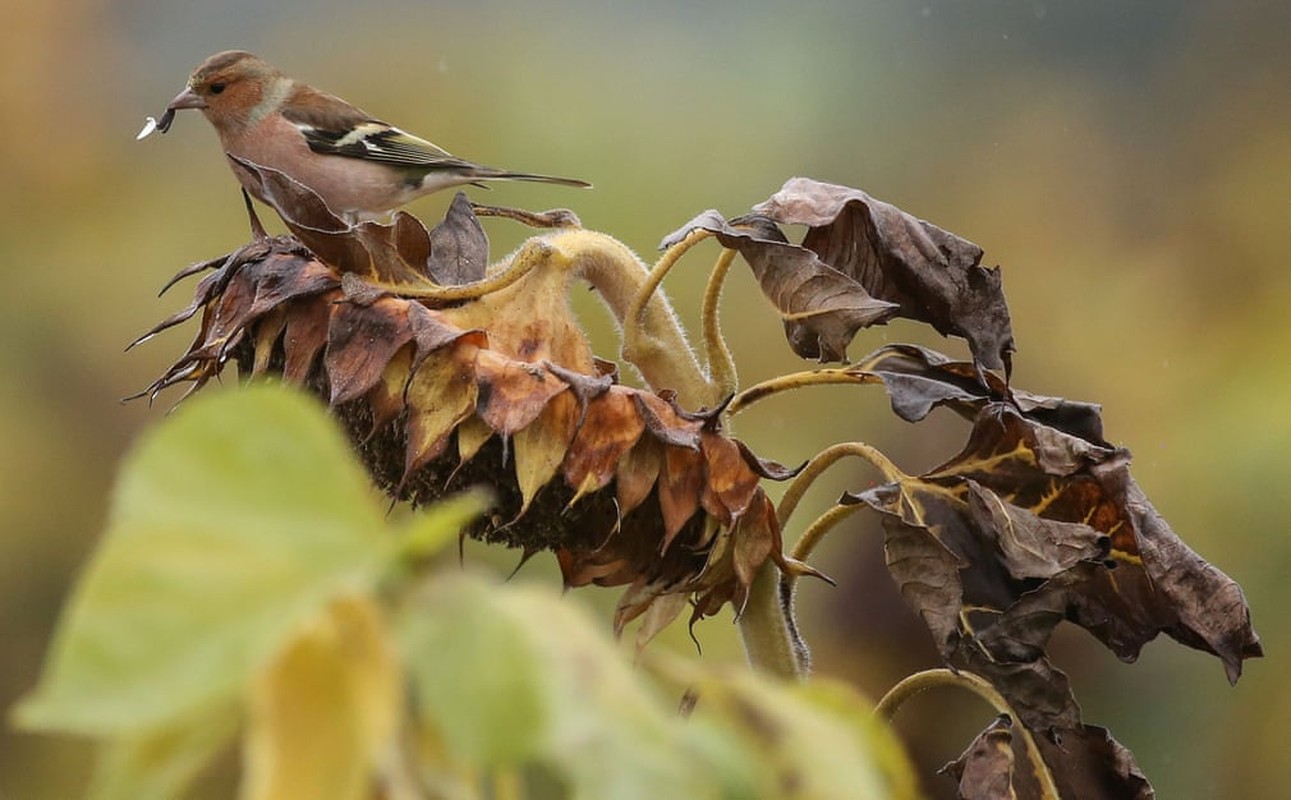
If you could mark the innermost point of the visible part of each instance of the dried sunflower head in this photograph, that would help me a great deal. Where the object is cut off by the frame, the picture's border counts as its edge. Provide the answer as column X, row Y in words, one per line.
column 448, row 374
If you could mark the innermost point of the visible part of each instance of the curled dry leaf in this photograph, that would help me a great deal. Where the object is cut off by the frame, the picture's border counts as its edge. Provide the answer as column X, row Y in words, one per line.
column 822, row 308
column 985, row 770
column 1031, row 525
column 624, row 486
column 932, row 275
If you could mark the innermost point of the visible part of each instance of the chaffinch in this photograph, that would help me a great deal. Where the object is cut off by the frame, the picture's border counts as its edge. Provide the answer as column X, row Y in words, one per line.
column 360, row 166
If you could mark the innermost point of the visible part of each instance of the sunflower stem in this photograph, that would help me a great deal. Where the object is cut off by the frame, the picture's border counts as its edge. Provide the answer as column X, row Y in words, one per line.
column 920, row 682
column 815, row 532
column 767, row 632
column 721, row 365
column 796, row 380
column 653, row 340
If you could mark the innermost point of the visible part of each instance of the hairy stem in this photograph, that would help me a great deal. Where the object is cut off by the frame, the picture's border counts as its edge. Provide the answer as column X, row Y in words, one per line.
column 823, row 461
column 931, row 678
column 721, row 366
column 653, row 340
column 815, row 533
column 532, row 254
column 796, row 380
column 641, row 318
column 767, row 631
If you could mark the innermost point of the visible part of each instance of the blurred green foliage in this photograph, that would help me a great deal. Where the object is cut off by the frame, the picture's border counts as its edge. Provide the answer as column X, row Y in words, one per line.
column 1126, row 164
column 248, row 587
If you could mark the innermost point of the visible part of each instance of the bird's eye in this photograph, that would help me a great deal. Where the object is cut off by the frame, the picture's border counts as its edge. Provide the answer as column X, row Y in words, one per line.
column 216, row 88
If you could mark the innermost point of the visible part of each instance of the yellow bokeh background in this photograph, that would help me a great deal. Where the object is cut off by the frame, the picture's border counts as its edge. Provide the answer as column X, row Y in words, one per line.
column 1128, row 165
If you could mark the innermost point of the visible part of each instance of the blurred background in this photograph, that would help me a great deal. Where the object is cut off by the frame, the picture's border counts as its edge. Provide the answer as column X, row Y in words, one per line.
column 1128, row 164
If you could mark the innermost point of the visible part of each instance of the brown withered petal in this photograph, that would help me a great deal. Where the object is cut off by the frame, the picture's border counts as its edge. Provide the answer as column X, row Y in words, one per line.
column 766, row 468
column 755, row 536
column 304, row 339
column 822, row 308
column 609, row 429
column 731, row 482
column 386, row 398
column 984, row 771
column 440, row 394
column 638, row 471
column 681, row 483
column 934, row 276
column 540, row 446
column 361, row 341
column 513, row 393
column 267, row 332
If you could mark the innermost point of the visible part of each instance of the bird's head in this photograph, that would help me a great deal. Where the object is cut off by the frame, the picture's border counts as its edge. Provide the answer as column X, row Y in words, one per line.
column 228, row 88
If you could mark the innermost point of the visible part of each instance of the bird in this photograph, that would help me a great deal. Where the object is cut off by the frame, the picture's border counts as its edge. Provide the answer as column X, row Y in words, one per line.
column 361, row 167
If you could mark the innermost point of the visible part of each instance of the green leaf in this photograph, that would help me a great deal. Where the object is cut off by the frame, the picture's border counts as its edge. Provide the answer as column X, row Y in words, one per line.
column 160, row 764
column 476, row 675
column 800, row 741
column 231, row 523
column 428, row 531
column 506, row 675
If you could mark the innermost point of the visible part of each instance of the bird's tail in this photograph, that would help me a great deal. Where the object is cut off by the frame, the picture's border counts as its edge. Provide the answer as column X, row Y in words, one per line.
column 532, row 176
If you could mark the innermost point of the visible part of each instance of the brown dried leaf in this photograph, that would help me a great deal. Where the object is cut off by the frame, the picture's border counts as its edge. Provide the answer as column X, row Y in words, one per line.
column 459, row 250
column 1160, row 585
column 992, row 577
column 1088, row 762
column 822, row 307
column 918, row 380
column 393, row 254
column 1030, row 545
column 663, row 422
column 927, row 573
column 934, row 276
column 771, row 470
column 984, row 771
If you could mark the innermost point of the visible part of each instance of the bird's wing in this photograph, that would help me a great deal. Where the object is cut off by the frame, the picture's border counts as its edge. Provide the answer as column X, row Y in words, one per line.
column 338, row 128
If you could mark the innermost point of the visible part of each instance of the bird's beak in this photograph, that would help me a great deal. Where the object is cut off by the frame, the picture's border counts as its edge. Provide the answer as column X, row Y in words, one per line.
column 186, row 99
